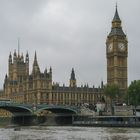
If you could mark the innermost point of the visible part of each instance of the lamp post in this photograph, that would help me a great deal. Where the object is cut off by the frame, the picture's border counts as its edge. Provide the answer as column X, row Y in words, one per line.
column 128, row 100
column 135, row 101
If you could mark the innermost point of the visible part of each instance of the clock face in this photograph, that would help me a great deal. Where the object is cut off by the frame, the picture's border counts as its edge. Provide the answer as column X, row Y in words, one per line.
column 110, row 47
column 121, row 47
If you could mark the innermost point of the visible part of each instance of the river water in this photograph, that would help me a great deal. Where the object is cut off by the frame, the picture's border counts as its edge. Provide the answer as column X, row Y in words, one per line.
column 70, row 133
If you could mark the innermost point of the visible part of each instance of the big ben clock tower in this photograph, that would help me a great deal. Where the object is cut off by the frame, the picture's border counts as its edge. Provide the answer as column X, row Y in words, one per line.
column 117, row 52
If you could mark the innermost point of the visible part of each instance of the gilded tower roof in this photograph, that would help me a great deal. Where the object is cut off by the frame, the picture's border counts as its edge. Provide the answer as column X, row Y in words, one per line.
column 116, row 25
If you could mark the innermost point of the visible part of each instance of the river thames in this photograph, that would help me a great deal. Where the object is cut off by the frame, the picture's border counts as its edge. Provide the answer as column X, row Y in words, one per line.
column 70, row 133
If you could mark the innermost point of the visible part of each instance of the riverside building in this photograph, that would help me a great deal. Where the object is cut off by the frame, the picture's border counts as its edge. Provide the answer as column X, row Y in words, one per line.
column 37, row 87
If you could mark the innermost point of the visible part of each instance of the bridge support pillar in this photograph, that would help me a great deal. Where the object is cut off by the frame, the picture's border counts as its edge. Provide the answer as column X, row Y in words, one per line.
column 24, row 120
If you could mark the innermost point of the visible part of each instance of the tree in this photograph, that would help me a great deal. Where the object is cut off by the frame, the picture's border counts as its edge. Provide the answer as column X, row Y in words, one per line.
column 113, row 92
column 134, row 93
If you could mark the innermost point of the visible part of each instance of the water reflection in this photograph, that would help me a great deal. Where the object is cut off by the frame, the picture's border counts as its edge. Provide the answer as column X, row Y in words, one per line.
column 70, row 133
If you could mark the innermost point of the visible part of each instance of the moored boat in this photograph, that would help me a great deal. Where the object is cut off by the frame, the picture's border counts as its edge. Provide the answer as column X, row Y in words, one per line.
column 106, row 121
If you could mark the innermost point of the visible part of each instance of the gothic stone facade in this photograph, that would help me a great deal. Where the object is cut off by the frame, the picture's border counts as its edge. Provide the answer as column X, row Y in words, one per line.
column 37, row 87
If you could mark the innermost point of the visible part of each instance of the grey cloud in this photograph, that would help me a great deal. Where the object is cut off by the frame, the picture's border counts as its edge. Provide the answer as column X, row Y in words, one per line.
column 66, row 34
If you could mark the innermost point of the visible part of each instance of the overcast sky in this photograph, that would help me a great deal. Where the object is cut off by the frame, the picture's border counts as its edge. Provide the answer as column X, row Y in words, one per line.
column 66, row 34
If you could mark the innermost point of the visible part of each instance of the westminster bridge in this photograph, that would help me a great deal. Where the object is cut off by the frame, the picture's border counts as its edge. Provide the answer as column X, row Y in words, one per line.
column 28, row 114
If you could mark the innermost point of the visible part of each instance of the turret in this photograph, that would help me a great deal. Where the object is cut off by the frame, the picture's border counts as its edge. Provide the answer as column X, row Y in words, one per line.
column 27, row 58
column 36, row 68
column 15, row 57
column 22, row 57
column 27, row 63
column 72, row 79
column 50, row 74
column 10, row 58
column 50, row 69
column 102, row 84
column 6, row 77
column 45, row 72
column 10, row 66
column 18, row 48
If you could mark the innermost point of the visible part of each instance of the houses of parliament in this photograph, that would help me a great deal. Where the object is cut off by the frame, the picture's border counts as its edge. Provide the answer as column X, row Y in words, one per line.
column 37, row 88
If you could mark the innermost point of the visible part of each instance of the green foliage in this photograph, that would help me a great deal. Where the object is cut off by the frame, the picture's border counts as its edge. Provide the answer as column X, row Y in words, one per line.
column 134, row 93
column 112, row 91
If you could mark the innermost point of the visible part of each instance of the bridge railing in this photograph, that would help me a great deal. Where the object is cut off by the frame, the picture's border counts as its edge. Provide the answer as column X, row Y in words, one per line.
column 36, row 107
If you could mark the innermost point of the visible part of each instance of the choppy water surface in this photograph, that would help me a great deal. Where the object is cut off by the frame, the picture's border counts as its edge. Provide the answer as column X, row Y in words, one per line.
column 70, row 133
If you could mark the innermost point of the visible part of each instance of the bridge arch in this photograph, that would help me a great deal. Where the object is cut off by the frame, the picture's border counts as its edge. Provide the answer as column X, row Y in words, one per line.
column 14, row 109
column 58, row 109
column 21, row 114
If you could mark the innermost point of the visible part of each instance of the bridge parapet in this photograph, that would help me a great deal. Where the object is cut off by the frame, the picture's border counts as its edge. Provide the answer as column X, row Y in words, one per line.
column 13, row 107
column 40, row 107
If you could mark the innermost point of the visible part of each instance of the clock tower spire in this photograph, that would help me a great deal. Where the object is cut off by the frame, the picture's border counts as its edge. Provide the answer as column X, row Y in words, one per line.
column 116, row 53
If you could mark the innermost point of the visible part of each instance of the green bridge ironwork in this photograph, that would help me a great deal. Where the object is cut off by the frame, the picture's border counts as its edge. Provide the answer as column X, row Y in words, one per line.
column 17, row 108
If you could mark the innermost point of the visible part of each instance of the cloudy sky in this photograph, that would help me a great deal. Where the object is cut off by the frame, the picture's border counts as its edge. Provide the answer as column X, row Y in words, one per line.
column 66, row 34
